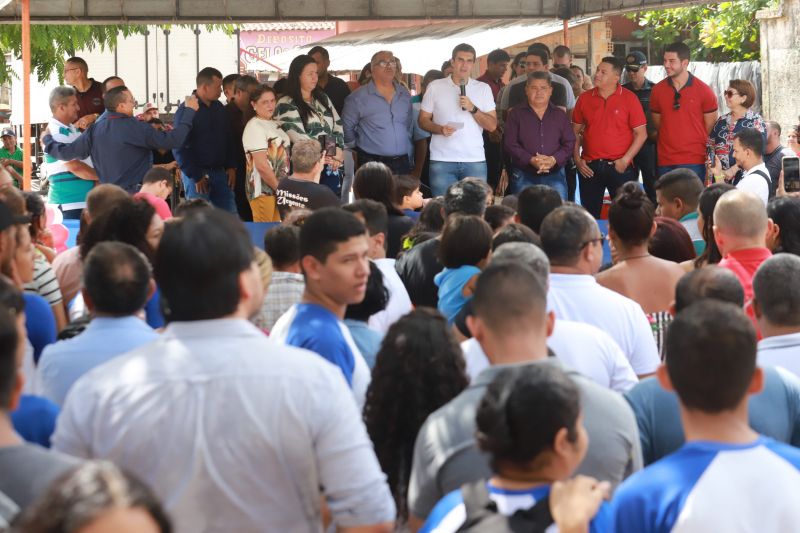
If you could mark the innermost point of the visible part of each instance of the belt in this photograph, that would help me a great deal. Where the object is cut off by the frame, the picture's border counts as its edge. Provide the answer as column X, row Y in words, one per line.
column 382, row 157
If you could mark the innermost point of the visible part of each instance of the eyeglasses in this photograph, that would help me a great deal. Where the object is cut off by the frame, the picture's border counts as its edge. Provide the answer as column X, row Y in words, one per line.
column 676, row 103
column 69, row 69
column 601, row 238
column 387, row 64
column 730, row 94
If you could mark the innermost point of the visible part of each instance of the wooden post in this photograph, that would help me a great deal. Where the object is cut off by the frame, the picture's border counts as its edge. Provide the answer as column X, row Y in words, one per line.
column 27, row 168
column 566, row 33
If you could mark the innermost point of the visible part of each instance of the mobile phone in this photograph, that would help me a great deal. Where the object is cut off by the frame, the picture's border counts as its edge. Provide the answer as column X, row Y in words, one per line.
column 330, row 147
column 791, row 174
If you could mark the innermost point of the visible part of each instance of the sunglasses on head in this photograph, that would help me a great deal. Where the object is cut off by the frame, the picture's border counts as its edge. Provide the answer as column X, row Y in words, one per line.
column 676, row 103
column 632, row 68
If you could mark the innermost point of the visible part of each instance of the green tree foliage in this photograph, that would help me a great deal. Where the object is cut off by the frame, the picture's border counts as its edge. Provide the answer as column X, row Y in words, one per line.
column 51, row 43
column 727, row 31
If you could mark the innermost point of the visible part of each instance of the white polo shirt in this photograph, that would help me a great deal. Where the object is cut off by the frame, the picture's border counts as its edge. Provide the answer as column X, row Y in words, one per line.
column 781, row 350
column 755, row 183
column 581, row 299
column 442, row 100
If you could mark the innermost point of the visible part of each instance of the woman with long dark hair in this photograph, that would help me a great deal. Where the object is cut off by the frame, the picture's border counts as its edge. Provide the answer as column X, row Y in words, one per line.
column 705, row 221
column 306, row 112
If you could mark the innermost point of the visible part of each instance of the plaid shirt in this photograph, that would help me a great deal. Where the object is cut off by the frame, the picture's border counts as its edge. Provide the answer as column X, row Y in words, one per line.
column 285, row 290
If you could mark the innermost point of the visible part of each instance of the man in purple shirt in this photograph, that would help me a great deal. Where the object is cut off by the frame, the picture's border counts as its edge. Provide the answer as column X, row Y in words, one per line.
column 539, row 138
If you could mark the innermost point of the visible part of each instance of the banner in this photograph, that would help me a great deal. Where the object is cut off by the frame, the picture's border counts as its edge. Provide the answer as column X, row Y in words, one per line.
column 261, row 45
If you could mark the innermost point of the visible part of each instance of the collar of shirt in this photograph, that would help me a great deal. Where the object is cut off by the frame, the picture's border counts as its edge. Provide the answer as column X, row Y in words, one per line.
column 487, row 375
column 646, row 86
column 790, row 340
column 689, row 82
column 688, row 216
column 371, row 88
column 127, row 323
column 216, row 328
column 550, row 108
column 750, row 255
column 617, row 92
column 749, row 115
column 761, row 166
column 572, row 280
column 288, row 277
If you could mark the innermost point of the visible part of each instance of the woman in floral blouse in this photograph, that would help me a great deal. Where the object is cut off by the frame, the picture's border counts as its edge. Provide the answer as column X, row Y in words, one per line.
column 307, row 112
column 740, row 97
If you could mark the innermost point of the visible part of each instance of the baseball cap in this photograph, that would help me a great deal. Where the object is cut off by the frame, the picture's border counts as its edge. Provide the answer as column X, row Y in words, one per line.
column 8, row 132
column 635, row 60
column 148, row 106
column 8, row 219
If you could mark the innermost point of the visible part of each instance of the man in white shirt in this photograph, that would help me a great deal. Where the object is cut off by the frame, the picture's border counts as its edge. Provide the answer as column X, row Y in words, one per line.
column 776, row 304
column 581, row 347
column 231, row 430
column 748, row 150
column 573, row 243
column 456, row 110
column 375, row 218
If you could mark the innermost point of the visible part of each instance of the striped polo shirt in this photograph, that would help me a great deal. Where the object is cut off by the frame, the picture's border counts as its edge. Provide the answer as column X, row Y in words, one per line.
column 66, row 189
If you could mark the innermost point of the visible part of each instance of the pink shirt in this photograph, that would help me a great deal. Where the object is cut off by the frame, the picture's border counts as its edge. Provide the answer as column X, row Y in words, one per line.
column 161, row 206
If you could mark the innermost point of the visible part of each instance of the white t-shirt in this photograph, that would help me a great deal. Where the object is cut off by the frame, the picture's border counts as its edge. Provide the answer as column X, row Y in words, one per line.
column 442, row 100
column 581, row 299
column 399, row 302
column 581, row 347
column 756, row 183
column 782, row 351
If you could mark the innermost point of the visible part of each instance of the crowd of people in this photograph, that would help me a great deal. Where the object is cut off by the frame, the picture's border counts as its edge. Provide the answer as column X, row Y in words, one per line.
column 403, row 351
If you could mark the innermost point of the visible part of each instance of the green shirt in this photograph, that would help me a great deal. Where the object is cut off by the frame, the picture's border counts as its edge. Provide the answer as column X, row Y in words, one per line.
column 16, row 156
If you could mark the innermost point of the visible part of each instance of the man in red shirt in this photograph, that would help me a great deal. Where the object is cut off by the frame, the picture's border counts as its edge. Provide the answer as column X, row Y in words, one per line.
column 89, row 91
column 496, row 66
column 740, row 228
column 610, row 125
column 684, row 109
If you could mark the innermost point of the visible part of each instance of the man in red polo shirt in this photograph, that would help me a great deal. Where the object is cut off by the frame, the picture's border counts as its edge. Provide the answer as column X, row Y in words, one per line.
column 684, row 109
column 611, row 127
column 89, row 91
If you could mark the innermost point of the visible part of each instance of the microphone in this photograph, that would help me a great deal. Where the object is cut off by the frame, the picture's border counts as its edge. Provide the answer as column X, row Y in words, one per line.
column 463, row 85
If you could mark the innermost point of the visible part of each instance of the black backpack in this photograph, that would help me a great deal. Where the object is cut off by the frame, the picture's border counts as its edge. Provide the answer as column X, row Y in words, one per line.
column 482, row 514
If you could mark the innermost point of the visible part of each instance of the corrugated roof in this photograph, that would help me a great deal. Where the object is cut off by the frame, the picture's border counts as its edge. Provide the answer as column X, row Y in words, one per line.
column 288, row 26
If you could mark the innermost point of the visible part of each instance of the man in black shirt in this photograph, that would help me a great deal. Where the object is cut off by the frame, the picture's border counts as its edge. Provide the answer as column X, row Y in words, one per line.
column 774, row 152
column 336, row 89
column 302, row 190
column 645, row 160
column 536, row 61
column 419, row 265
column 240, row 112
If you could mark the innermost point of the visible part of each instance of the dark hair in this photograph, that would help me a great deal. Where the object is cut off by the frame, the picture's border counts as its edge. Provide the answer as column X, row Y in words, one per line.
column 206, row 76
column 751, row 139
column 103, row 198
column 497, row 56
column 541, row 54
column 418, row 369
column 325, row 229
column 293, row 87
column 681, row 183
column 671, row 241
column 108, row 79
column 711, row 355
column 404, row 185
column 362, row 76
column 631, row 214
column 156, row 174
column 376, row 297
column 320, row 50
column 774, row 126
column 705, row 206
column 567, row 74
column 116, row 277
column 510, row 200
column 198, row 265
column 518, row 58
column 496, row 216
column 78, row 61
column 79, row 497
column 282, row 244
column 128, row 222
column 464, row 47
column 539, row 75
column 679, row 48
column 785, row 212
column 523, row 410
column 429, row 224
column 535, row 203
column 564, row 232
column 615, row 63
column 506, row 293
column 540, row 46
column 9, row 340
column 447, row 64
column 34, row 205
column 259, row 91
column 374, row 181
column 746, row 89
column 431, row 75
column 561, row 51
column 709, row 282
column 230, row 78
column 114, row 97
column 467, row 197
column 466, row 240
column 191, row 205
column 777, row 292
column 374, row 214
column 245, row 81
column 515, row 233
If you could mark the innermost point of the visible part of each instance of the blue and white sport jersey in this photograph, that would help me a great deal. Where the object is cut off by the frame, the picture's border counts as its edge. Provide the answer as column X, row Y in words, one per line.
column 315, row 328
column 451, row 513
column 710, row 486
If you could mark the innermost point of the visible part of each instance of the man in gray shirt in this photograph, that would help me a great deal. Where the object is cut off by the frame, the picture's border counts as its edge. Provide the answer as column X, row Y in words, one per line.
column 774, row 412
column 511, row 324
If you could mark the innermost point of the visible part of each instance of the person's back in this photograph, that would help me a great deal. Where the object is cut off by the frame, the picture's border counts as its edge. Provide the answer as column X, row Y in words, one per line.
column 302, row 189
column 776, row 306
column 282, row 244
column 117, row 285
column 252, row 426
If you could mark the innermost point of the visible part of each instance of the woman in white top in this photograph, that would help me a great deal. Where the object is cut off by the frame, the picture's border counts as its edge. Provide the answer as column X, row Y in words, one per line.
column 266, row 146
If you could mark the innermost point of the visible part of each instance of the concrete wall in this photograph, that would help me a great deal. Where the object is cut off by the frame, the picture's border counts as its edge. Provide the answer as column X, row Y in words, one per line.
column 780, row 57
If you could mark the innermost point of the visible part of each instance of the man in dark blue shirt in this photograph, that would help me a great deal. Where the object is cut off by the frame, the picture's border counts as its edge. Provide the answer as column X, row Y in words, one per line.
column 207, row 158
column 122, row 147
column 645, row 160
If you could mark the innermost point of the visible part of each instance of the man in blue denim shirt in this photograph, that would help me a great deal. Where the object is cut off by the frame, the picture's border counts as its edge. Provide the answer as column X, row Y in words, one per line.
column 121, row 146
column 207, row 158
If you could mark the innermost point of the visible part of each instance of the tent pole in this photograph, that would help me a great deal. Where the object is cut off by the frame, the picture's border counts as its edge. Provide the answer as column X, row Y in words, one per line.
column 27, row 168
column 566, row 33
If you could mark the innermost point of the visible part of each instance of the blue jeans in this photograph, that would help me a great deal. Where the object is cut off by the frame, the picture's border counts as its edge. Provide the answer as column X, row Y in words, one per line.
column 219, row 194
column 442, row 174
column 521, row 180
column 700, row 170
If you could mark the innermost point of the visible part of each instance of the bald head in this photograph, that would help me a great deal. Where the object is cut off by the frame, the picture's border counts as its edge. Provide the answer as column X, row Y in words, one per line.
column 740, row 214
column 708, row 283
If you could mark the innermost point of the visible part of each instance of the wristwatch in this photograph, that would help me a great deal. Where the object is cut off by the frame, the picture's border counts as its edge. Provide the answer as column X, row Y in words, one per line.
column 474, row 109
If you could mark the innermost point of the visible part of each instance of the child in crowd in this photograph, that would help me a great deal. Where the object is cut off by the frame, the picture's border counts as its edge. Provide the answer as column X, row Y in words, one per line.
column 409, row 197
column 465, row 250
